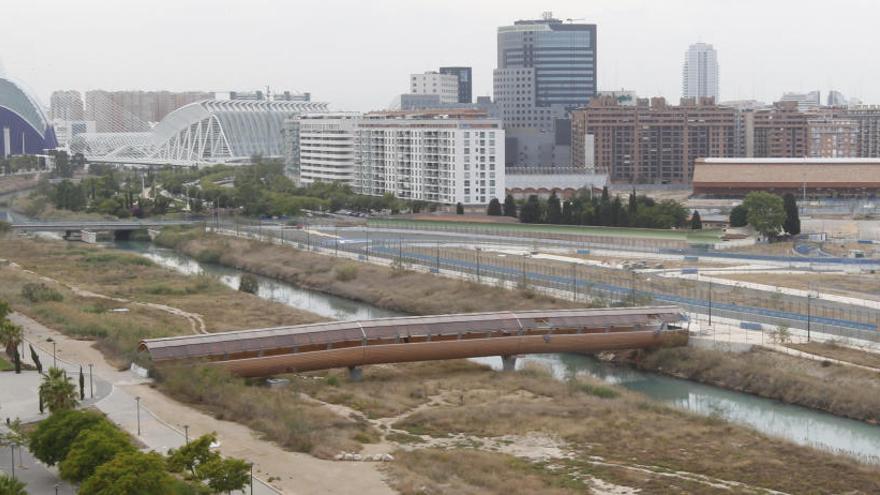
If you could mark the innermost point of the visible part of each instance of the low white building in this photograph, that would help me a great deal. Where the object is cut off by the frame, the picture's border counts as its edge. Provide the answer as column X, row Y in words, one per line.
column 442, row 156
column 435, row 83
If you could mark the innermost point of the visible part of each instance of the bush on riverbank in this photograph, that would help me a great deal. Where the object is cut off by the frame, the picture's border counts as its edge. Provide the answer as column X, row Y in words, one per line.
column 840, row 390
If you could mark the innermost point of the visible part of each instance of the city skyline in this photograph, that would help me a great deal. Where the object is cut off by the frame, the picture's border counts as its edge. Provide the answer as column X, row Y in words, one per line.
column 70, row 52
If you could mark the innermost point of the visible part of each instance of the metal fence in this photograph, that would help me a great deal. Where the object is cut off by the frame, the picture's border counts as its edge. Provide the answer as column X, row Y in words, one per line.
column 590, row 284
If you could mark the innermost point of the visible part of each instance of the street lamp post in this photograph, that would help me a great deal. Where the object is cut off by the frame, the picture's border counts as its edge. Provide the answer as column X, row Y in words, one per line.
column 186, row 433
column 252, row 478
column 91, row 382
column 138, row 401
column 710, row 302
column 12, row 449
column 54, row 361
column 809, row 314
column 633, row 288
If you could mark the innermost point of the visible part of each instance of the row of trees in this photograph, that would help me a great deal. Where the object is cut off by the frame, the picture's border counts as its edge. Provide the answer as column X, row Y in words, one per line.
column 588, row 209
column 91, row 451
column 768, row 214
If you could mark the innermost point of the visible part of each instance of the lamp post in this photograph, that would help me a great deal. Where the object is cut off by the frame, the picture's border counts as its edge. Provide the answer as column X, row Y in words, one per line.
column 252, row 478
column 710, row 302
column 809, row 314
column 186, row 433
column 479, row 250
column 12, row 449
column 54, row 361
column 91, row 382
column 138, row 401
column 633, row 288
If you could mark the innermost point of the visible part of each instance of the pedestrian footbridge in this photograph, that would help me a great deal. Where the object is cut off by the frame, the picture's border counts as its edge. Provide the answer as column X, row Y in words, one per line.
column 272, row 351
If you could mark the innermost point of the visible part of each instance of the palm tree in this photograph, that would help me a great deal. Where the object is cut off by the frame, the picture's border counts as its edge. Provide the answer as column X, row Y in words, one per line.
column 10, row 336
column 57, row 392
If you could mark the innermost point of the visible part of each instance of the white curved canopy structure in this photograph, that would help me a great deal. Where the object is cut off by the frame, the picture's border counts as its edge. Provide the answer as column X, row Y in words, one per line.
column 205, row 132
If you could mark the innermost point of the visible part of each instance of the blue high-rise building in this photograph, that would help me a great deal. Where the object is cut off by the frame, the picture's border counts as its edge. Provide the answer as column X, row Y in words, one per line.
column 546, row 68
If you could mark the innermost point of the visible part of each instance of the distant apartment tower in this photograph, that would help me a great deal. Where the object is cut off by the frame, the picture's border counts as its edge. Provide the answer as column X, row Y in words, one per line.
column 651, row 142
column 546, row 68
column 833, row 138
column 66, row 105
column 836, row 99
column 448, row 156
column 805, row 101
column 867, row 118
column 435, row 83
column 134, row 111
column 465, row 82
column 781, row 131
column 700, row 72
column 320, row 147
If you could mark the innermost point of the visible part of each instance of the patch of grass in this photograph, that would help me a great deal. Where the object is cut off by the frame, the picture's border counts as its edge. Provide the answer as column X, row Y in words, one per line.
column 840, row 352
column 469, row 471
column 40, row 292
column 346, row 273
column 120, row 258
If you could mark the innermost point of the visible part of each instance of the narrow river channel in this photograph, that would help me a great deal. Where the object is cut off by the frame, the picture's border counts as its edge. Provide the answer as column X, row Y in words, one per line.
column 801, row 425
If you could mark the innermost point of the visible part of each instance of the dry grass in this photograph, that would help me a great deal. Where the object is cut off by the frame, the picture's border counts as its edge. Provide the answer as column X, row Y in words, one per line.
column 840, row 352
column 277, row 413
column 626, row 430
column 472, row 472
column 396, row 290
column 837, row 389
column 860, row 285
column 126, row 275
column 123, row 275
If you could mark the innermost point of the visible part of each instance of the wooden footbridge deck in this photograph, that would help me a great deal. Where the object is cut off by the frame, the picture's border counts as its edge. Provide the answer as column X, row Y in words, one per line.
column 272, row 351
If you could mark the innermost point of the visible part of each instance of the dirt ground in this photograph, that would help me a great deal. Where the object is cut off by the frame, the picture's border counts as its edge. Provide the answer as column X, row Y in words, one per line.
column 865, row 286
column 841, row 353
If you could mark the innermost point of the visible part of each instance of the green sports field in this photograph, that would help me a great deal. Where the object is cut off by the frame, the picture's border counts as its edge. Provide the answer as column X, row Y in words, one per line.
column 693, row 237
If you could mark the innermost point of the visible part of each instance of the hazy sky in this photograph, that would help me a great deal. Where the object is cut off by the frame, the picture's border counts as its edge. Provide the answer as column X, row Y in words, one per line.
column 357, row 54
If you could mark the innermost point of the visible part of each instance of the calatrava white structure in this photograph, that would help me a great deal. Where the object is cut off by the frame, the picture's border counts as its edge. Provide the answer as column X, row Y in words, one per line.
column 206, row 132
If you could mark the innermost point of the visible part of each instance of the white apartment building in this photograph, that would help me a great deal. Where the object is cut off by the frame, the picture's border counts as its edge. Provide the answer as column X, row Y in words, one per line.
column 435, row 83
column 452, row 157
column 327, row 147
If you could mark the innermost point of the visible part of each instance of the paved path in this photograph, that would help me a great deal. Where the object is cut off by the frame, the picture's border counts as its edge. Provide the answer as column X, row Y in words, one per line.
column 162, row 420
column 39, row 478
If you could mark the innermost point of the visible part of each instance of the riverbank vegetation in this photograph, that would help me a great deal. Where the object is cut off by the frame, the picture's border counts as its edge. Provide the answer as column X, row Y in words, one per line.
column 154, row 301
column 834, row 388
column 395, row 289
column 466, row 428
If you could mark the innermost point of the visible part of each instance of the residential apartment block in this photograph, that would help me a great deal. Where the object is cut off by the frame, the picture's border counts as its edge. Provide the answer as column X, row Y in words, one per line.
column 651, row 142
column 833, row 138
column 320, row 147
column 435, row 83
column 443, row 156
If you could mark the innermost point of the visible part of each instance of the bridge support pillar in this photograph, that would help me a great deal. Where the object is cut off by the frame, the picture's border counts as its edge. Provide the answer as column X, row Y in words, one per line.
column 508, row 363
column 355, row 373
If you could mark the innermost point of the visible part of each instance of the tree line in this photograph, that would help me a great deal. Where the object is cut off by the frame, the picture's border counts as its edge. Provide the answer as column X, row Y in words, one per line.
column 586, row 208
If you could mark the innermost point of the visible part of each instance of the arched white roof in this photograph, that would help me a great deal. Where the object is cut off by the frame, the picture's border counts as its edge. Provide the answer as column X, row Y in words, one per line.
column 15, row 99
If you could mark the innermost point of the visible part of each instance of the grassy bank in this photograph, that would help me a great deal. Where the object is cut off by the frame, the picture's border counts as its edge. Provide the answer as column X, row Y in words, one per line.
column 833, row 350
column 837, row 389
column 459, row 425
column 393, row 289
column 279, row 415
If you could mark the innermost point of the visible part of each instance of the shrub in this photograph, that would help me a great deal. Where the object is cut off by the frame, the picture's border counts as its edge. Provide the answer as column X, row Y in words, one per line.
column 91, row 448
column 249, row 284
column 53, row 437
column 37, row 293
column 346, row 273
